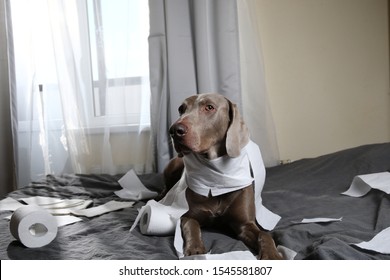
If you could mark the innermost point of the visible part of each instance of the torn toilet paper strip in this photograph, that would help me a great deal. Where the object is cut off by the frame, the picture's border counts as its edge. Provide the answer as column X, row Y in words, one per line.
column 362, row 184
column 287, row 254
column 58, row 206
column 9, row 204
column 65, row 220
column 132, row 188
column 233, row 255
column 62, row 209
column 320, row 220
column 379, row 243
column 102, row 209
column 68, row 211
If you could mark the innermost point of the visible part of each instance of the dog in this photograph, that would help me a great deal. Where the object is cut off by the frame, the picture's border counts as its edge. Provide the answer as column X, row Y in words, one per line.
column 210, row 129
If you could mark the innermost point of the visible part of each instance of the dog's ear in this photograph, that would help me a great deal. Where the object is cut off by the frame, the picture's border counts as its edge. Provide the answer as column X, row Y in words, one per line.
column 237, row 135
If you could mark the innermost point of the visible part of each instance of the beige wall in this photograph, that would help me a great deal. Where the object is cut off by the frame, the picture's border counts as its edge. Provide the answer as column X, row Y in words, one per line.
column 327, row 73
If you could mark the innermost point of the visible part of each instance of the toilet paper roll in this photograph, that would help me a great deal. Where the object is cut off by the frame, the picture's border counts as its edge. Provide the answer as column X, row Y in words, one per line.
column 33, row 226
column 155, row 221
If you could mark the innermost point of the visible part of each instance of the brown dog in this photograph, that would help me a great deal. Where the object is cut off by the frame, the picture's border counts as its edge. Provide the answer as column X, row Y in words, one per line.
column 211, row 127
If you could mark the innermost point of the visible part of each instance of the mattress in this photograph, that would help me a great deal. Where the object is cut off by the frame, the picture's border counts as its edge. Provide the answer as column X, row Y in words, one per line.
column 304, row 189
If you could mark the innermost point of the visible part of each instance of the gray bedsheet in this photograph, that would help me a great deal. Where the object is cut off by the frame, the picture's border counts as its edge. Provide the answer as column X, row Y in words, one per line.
column 303, row 189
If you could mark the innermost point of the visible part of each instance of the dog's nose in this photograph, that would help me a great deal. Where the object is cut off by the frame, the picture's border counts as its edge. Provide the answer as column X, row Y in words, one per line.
column 178, row 130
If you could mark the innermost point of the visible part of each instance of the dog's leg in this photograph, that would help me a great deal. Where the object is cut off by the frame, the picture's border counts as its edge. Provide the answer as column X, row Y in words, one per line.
column 259, row 241
column 267, row 246
column 172, row 174
column 193, row 244
column 249, row 233
column 243, row 222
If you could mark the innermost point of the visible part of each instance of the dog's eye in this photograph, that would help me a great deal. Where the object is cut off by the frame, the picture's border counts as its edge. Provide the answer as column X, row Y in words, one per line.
column 209, row 108
column 182, row 109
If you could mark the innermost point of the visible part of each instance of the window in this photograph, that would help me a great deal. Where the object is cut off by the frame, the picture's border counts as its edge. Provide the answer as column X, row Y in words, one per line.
column 119, row 58
column 114, row 48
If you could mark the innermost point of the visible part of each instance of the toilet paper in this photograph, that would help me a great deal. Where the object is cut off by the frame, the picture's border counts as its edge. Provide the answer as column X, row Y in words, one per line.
column 362, row 184
column 157, row 219
column 33, row 226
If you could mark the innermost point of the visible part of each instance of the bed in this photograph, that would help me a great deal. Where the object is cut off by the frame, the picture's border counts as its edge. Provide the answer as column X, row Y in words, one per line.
column 305, row 188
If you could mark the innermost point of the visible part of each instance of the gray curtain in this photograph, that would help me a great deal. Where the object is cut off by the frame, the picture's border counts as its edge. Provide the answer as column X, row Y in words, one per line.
column 194, row 48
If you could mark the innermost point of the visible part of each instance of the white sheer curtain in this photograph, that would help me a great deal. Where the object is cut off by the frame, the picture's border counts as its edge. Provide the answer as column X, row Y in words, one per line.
column 81, row 85
column 80, row 79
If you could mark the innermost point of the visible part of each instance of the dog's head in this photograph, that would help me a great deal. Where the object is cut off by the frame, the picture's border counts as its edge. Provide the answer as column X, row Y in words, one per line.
column 211, row 125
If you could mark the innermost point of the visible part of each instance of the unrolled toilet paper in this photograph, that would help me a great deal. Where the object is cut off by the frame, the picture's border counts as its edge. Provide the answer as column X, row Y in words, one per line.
column 33, row 226
column 362, row 184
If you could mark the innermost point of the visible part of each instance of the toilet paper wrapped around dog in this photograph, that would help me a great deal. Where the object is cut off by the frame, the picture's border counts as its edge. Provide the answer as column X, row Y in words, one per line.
column 160, row 218
column 33, row 226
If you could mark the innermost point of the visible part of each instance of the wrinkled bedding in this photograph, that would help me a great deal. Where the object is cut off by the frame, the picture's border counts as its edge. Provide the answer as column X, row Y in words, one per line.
column 306, row 188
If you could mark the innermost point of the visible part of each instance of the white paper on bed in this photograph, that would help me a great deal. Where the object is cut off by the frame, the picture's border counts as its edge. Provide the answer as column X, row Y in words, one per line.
column 174, row 205
column 132, row 188
column 56, row 203
column 62, row 209
column 58, row 206
column 287, row 253
column 41, row 200
column 379, row 243
column 9, row 204
column 65, row 220
column 68, row 211
column 233, row 255
column 362, row 184
column 320, row 220
column 102, row 209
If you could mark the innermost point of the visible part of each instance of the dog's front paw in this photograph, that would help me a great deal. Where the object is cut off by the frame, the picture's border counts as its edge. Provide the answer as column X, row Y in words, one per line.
column 195, row 249
column 270, row 255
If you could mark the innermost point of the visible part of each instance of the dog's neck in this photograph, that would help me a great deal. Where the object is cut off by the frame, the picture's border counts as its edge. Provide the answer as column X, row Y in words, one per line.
column 215, row 151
